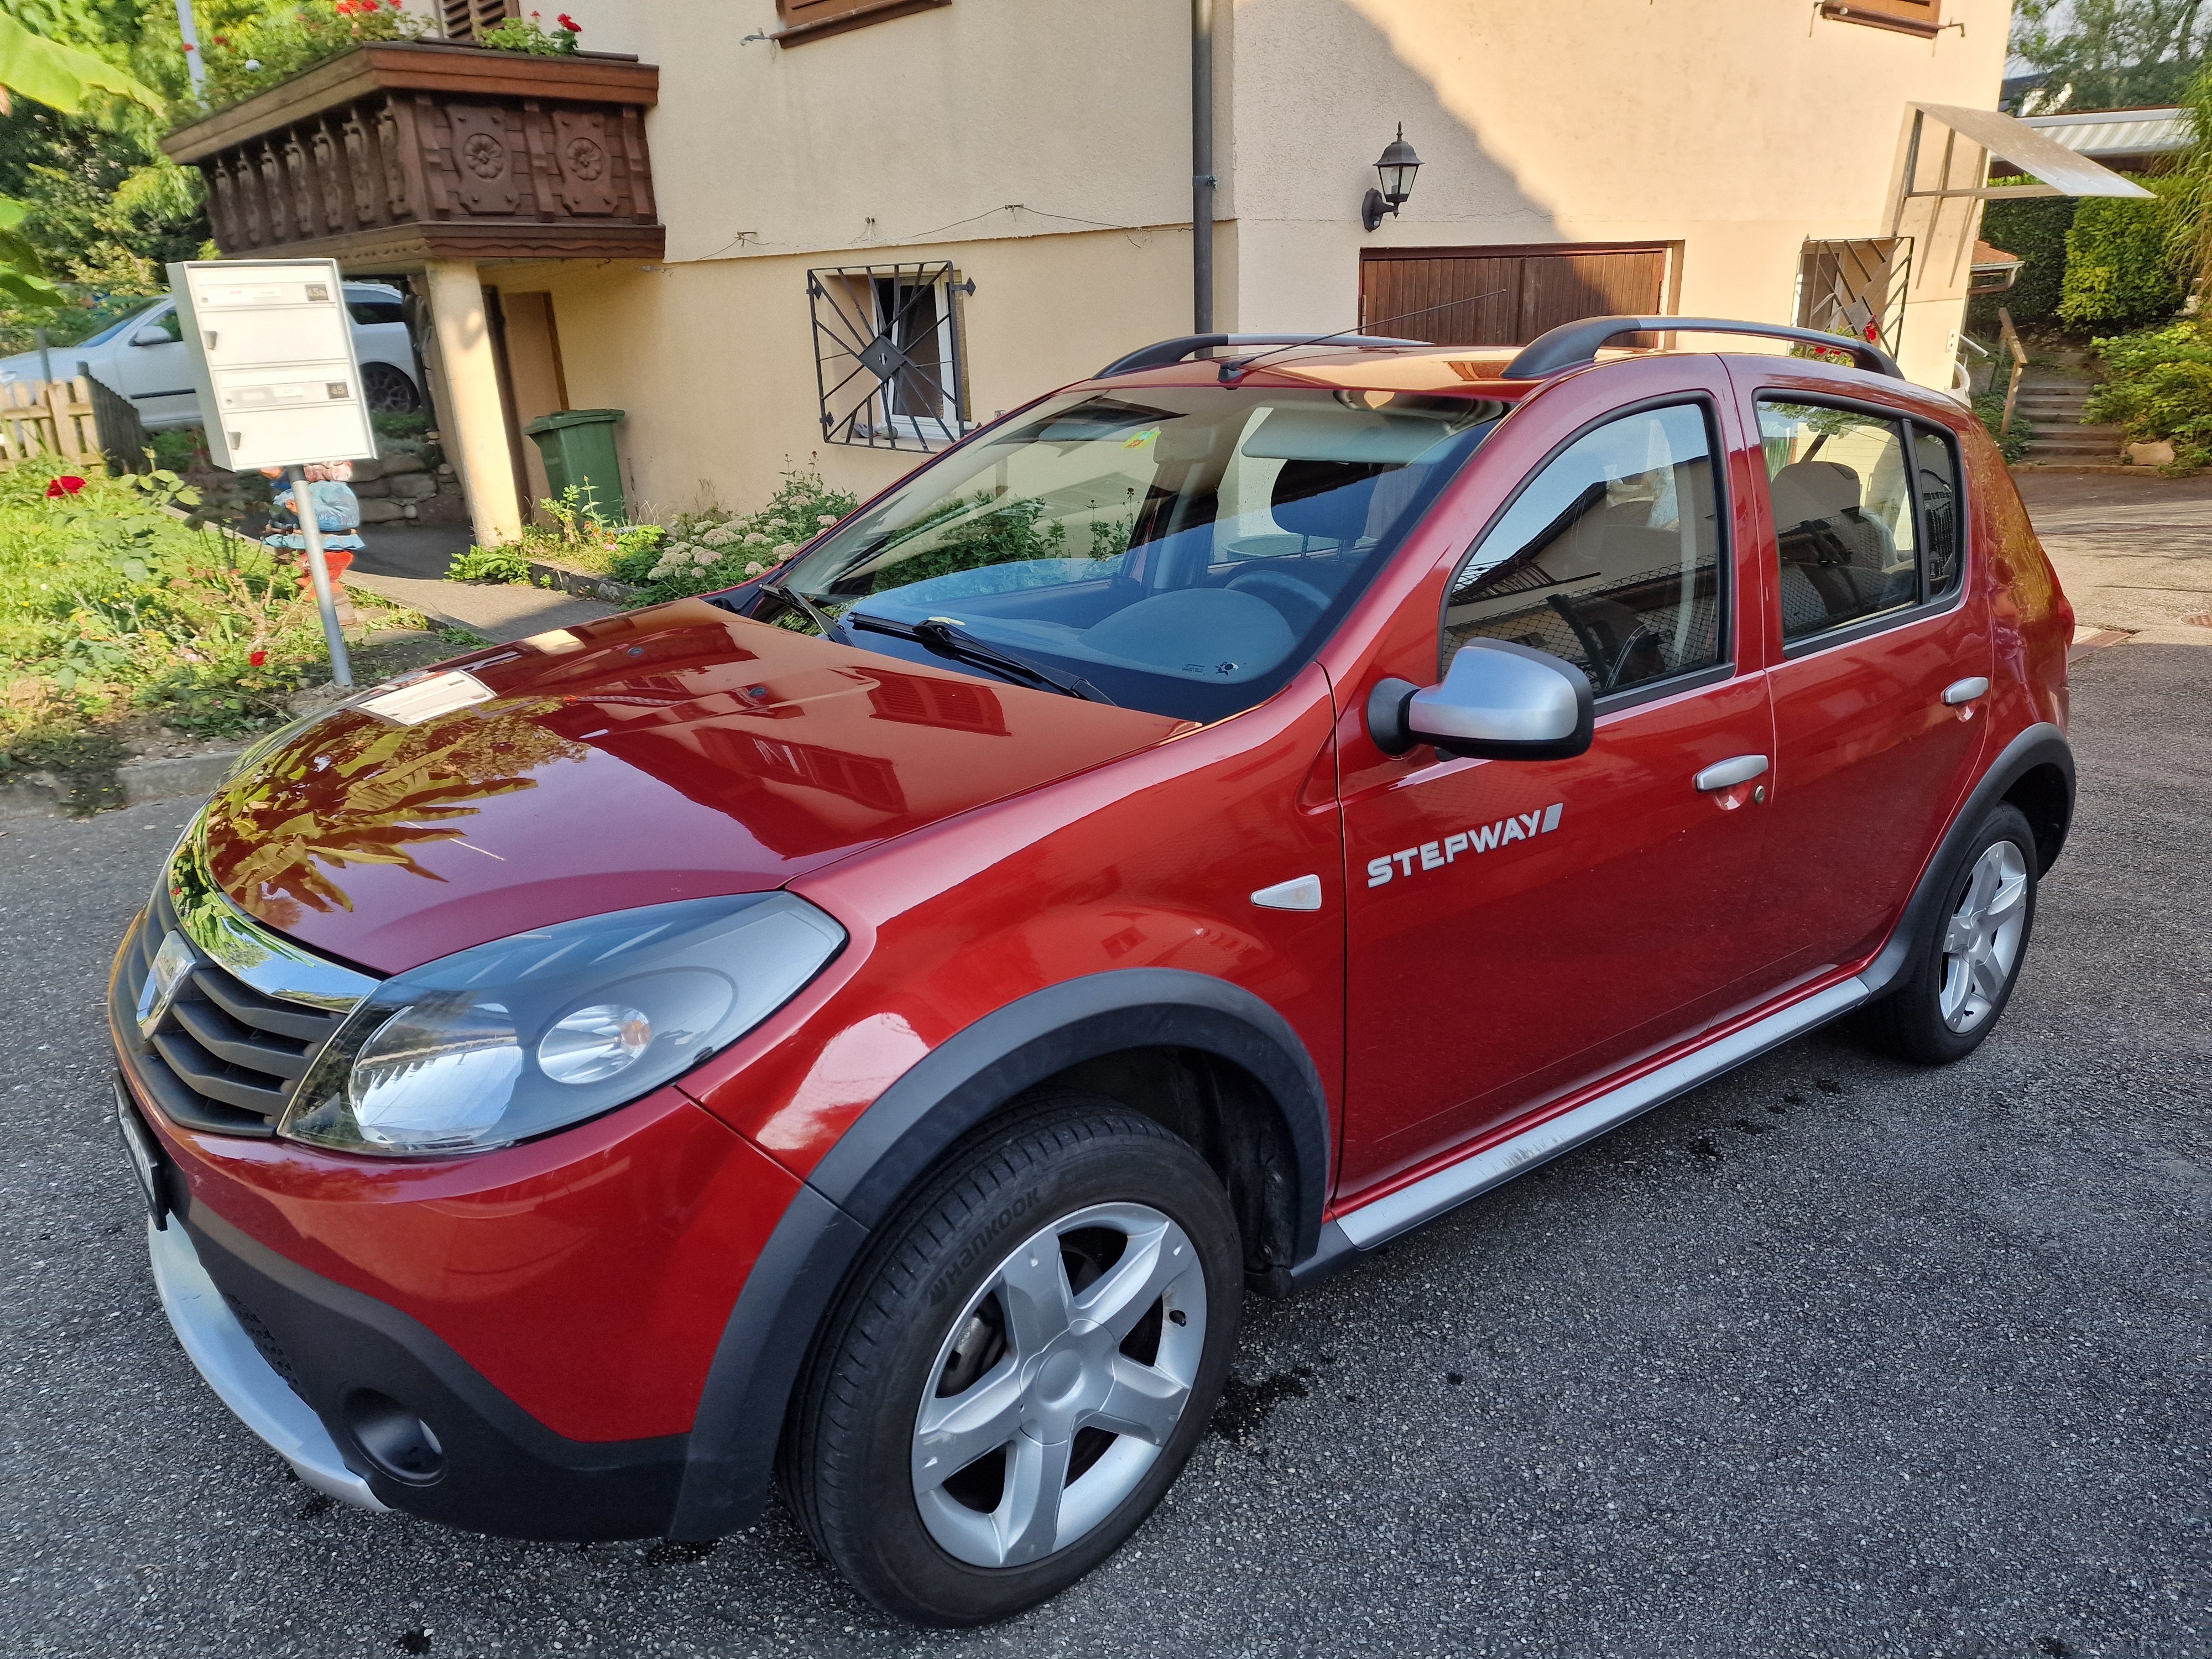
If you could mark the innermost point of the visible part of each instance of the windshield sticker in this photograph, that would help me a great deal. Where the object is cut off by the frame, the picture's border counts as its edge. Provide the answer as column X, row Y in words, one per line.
column 1435, row 854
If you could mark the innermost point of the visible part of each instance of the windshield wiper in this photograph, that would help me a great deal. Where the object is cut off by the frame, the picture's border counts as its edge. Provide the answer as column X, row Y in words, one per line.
column 792, row 599
column 947, row 638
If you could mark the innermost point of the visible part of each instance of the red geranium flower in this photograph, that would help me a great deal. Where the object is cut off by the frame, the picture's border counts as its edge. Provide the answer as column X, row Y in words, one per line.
column 68, row 484
column 570, row 24
column 256, row 658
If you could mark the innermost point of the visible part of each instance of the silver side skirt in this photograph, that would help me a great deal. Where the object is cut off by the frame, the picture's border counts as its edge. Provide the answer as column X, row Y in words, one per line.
column 218, row 1344
column 1386, row 1218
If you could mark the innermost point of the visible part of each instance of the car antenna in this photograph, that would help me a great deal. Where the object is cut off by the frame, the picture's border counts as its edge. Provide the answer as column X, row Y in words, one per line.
column 1233, row 369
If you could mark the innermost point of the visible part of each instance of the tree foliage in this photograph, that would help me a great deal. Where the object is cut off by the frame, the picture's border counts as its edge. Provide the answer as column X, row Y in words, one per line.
column 2110, row 54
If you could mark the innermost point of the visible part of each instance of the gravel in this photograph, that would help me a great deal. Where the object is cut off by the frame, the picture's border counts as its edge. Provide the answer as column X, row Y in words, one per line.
column 1833, row 1356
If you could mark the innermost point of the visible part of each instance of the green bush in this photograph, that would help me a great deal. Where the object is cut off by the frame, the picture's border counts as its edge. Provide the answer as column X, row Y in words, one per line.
column 2120, row 264
column 2159, row 386
column 490, row 564
column 109, row 605
column 2014, row 439
column 707, row 551
column 2034, row 228
column 276, row 44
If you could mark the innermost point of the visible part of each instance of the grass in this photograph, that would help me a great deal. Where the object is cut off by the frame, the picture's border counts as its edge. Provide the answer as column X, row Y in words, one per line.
column 117, row 615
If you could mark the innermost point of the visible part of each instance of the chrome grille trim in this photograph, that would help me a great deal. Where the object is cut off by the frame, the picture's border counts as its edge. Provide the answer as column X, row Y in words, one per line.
column 245, row 1020
column 226, row 935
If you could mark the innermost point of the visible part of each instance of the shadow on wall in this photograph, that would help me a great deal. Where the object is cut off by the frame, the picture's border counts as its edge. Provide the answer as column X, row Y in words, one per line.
column 1480, row 262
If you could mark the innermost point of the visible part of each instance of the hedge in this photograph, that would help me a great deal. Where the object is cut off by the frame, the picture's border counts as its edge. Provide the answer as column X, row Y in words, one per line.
column 2035, row 228
column 2120, row 268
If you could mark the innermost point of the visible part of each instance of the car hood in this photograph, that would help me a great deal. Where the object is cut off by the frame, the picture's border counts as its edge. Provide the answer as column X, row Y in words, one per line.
column 677, row 752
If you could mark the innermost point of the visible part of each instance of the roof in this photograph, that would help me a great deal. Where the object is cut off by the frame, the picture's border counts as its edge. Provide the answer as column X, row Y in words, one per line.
column 2097, row 132
column 1987, row 258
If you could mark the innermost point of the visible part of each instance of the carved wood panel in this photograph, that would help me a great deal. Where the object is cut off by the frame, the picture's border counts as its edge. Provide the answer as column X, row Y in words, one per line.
column 403, row 168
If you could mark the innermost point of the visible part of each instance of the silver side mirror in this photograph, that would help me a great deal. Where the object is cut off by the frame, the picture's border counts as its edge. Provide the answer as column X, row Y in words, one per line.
column 1498, row 701
column 152, row 335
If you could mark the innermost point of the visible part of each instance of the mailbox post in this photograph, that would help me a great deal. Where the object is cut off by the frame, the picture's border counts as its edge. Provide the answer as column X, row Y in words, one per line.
column 272, row 358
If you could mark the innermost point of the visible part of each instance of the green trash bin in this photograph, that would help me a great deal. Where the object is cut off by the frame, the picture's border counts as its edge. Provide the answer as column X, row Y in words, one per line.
column 578, row 445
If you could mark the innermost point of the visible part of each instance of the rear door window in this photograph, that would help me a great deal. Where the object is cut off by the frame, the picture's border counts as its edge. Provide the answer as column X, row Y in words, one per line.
column 1867, row 525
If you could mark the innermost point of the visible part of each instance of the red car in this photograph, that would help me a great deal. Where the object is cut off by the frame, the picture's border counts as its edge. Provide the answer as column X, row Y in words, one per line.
column 868, row 1031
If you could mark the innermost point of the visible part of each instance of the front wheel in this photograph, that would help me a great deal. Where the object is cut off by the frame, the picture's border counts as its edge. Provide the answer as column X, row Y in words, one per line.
column 1965, row 971
column 1020, row 1368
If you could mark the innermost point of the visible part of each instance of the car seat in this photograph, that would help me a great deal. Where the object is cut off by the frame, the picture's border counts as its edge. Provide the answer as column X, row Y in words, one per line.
column 1835, row 559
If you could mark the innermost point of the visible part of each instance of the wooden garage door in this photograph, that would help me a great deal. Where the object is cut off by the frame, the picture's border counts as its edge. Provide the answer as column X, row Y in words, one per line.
column 1505, row 295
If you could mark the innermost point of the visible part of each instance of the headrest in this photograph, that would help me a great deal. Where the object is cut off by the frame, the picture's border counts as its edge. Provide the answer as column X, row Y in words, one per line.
column 1328, row 499
column 1805, row 490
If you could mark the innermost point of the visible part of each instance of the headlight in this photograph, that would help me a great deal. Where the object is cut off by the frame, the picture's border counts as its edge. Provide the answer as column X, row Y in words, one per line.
column 494, row 1044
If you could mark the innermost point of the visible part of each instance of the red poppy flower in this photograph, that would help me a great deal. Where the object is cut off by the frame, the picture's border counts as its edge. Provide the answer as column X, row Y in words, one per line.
column 570, row 24
column 68, row 484
column 256, row 658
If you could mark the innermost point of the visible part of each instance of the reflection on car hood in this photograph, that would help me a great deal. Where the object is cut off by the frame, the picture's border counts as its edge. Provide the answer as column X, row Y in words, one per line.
column 670, row 753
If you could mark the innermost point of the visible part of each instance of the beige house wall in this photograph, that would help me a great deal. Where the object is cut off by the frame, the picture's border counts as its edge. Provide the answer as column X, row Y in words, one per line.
column 714, row 360
column 989, row 131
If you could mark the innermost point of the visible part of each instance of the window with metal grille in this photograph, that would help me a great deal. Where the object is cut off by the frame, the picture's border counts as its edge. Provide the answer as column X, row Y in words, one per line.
column 889, row 359
column 464, row 19
column 1855, row 288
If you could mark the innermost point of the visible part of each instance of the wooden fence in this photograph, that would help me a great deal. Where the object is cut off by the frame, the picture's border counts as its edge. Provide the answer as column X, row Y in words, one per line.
column 78, row 420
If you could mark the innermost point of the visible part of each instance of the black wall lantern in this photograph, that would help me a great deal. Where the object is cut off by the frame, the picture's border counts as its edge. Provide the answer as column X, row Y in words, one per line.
column 1395, row 169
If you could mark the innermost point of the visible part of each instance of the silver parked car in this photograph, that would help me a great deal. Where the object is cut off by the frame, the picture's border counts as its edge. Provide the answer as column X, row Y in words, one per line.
column 143, row 357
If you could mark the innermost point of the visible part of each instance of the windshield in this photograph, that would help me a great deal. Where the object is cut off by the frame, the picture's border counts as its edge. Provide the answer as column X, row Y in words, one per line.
column 114, row 328
column 1183, row 549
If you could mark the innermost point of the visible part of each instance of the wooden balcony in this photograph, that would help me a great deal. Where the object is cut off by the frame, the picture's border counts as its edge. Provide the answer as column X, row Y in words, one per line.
column 391, row 154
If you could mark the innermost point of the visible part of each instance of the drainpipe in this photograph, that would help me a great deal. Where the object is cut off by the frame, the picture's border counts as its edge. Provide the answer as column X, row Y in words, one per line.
column 1201, row 166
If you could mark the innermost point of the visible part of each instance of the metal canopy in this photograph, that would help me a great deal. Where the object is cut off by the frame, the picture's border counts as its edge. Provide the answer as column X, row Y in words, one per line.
column 2063, row 172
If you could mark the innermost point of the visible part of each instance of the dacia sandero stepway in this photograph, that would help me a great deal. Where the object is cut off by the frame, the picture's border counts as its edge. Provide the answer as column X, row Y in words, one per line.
column 867, row 1030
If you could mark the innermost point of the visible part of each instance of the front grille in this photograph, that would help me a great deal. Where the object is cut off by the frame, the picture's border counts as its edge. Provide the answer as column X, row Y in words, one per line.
column 224, row 1058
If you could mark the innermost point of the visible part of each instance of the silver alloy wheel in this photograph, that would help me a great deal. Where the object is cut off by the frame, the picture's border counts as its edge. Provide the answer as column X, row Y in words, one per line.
column 1982, row 942
column 1048, row 1388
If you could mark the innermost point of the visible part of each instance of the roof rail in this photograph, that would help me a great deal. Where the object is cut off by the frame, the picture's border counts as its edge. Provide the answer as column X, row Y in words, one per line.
column 1573, row 345
column 1174, row 351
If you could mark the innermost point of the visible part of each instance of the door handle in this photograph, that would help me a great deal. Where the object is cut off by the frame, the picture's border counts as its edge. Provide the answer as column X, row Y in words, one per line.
column 1726, row 775
column 1964, row 690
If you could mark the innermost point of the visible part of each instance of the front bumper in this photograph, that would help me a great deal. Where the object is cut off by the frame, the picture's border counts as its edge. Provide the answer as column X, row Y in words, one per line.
column 217, row 1344
column 370, row 1406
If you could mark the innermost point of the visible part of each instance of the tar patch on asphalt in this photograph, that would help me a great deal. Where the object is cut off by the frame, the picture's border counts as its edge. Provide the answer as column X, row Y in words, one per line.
column 1245, row 1405
column 678, row 1551
column 413, row 1641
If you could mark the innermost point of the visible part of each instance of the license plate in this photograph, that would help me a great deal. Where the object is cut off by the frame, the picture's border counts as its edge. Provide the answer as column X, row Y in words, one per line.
column 145, row 1155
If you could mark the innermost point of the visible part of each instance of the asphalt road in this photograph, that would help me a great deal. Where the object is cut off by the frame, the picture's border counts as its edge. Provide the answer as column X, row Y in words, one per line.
column 1831, row 1358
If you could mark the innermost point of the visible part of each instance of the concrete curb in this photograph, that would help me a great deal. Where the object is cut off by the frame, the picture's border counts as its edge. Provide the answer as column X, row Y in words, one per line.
column 41, row 794
column 582, row 583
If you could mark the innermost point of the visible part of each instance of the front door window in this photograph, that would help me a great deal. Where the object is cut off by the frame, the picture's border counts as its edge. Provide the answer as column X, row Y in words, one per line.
column 1610, row 558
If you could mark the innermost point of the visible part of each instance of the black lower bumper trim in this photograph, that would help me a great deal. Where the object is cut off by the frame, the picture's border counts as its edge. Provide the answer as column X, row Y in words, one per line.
column 354, row 1359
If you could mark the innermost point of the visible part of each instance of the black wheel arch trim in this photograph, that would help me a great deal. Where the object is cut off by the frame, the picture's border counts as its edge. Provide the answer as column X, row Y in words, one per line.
column 953, row 1090
column 2039, row 745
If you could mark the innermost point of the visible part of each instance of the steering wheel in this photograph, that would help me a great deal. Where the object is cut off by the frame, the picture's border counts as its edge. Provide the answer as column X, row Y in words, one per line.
column 1286, row 593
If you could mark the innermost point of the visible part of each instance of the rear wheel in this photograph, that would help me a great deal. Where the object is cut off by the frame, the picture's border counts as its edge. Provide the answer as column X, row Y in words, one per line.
column 1963, row 976
column 1020, row 1368
column 388, row 390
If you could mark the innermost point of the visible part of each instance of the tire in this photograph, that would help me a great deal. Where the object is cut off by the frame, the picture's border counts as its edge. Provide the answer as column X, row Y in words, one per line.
column 956, row 1330
column 389, row 390
column 1962, row 977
